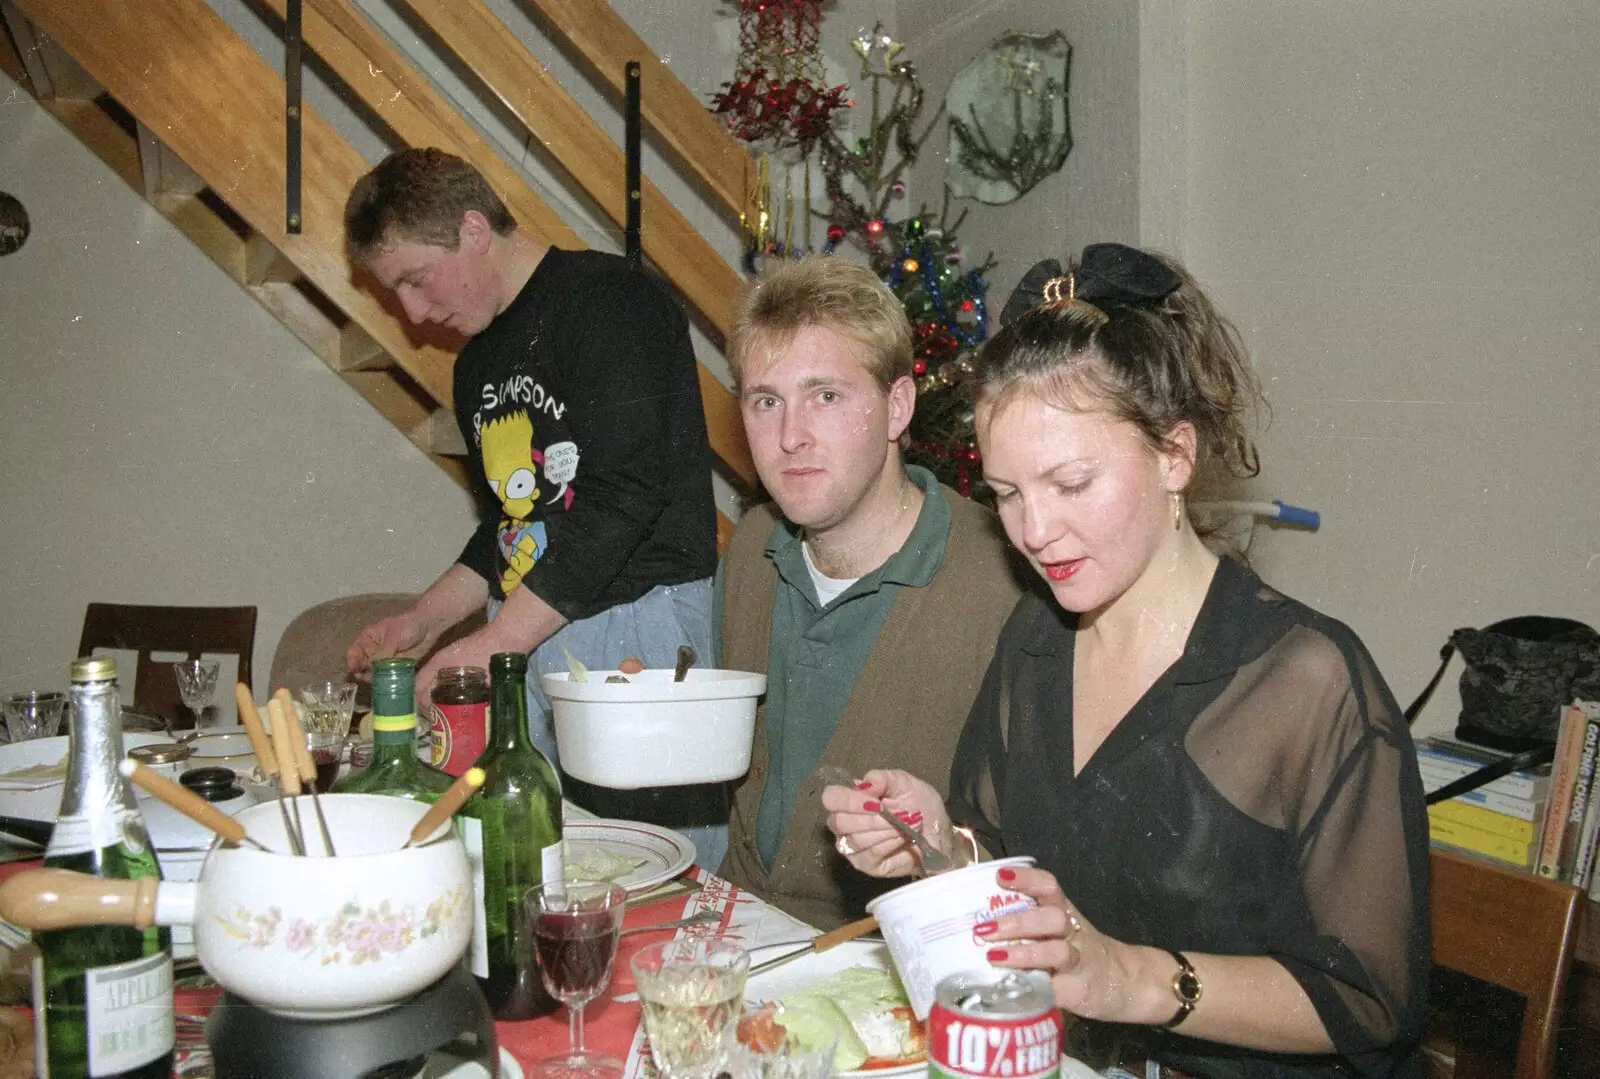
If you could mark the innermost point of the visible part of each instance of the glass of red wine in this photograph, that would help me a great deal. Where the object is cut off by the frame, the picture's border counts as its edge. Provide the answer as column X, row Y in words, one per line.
column 574, row 925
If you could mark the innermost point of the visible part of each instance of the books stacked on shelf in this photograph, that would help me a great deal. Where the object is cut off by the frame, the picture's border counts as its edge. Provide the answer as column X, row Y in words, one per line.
column 1567, row 847
column 1502, row 820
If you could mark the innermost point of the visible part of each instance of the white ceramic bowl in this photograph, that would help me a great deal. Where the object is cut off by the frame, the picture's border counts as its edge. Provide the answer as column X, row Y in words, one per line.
column 928, row 925
column 652, row 731
column 327, row 938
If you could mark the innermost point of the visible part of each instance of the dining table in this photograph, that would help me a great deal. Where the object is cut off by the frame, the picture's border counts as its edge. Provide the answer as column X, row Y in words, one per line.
column 612, row 1021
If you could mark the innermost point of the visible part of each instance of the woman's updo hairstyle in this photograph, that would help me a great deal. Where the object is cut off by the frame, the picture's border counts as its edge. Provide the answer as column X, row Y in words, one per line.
column 1131, row 332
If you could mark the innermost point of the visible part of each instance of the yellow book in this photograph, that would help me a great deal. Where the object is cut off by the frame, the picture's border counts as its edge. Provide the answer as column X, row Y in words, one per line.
column 1481, row 842
column 1485, row 820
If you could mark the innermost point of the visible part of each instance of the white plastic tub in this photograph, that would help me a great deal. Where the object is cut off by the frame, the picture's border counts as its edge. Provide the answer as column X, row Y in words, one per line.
column 652, row 731
column 928, row 925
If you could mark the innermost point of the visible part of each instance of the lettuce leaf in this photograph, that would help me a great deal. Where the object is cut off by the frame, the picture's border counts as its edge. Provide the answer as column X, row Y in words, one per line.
column 857, row 1005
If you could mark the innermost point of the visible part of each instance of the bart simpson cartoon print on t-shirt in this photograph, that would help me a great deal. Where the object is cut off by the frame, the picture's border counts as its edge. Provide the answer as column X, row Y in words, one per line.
column 510, row 463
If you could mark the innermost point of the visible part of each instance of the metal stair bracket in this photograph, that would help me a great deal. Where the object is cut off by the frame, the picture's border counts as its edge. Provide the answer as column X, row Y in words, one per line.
column 631, row 145
column 291, row 116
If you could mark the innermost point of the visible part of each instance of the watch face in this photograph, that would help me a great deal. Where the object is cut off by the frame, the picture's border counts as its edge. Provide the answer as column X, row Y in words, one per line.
column 1187, row 986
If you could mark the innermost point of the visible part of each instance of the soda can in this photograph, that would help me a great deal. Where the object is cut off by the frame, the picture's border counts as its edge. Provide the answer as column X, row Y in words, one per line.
column 984, row 1027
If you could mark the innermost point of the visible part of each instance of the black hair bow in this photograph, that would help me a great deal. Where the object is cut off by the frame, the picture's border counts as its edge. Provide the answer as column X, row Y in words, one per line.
column 1113, row 273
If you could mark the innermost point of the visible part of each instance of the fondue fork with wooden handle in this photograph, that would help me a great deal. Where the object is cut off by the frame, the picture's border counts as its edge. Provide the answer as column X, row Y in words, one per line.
column 445, row 808
column 288, row 775
column 303, row 762
column 820, row 943
column 187, row 802
column 266, row 760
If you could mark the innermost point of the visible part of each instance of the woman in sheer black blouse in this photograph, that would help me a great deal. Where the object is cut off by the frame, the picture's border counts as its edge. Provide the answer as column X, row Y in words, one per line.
column 1214, row 780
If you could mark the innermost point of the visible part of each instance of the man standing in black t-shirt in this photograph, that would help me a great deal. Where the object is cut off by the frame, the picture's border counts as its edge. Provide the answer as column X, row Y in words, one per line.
column 578, row 398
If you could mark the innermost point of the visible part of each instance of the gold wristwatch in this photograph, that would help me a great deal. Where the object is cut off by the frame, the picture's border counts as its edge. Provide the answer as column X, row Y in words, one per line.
column 1186, row 987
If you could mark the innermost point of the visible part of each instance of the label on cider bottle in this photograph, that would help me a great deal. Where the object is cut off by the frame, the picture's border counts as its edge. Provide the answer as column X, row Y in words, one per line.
column 129, row 1011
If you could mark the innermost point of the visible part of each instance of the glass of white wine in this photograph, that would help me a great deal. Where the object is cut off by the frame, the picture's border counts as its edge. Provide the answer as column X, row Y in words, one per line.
column 692, row 993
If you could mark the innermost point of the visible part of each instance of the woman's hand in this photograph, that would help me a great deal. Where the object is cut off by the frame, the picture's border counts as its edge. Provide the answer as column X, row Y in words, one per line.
column 868, row 841
column 1093, row 976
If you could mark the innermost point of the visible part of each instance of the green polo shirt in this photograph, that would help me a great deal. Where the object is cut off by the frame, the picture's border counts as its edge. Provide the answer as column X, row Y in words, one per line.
column 816, row 654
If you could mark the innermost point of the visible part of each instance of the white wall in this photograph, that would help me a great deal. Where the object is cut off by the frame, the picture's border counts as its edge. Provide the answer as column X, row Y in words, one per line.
column 1398, row 204
column 165, row 439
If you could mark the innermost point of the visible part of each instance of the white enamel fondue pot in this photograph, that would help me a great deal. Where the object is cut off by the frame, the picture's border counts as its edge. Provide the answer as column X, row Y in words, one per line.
column 313, row 937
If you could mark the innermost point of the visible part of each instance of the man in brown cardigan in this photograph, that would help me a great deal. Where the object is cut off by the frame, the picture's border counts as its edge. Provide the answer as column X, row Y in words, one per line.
column 869, row 595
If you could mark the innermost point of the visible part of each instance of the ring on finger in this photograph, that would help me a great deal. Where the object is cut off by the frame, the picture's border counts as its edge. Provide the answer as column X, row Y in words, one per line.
column 842, row 845
column 1074, row 926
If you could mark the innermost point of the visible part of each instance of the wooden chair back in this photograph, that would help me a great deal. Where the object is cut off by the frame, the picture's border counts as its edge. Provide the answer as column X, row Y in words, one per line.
column 1511, row 929
column 190, row 631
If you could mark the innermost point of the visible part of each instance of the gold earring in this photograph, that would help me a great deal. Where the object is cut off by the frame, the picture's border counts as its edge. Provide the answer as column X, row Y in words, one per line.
column 1177, row 511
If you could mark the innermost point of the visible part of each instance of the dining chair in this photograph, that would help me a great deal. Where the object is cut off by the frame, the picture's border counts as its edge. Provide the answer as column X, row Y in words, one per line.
column 314, row 643
column 189, row 631
column 1513, row 930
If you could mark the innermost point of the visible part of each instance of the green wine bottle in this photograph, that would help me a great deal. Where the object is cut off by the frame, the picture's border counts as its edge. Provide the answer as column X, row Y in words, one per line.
column 512, row 829
column 394, row 768
column 103, row 994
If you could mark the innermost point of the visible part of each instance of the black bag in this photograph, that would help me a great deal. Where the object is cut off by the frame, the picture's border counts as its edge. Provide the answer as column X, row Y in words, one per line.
column 1520, row 674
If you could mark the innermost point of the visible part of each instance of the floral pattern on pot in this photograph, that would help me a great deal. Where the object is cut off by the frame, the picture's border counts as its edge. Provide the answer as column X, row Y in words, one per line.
column 355, row 934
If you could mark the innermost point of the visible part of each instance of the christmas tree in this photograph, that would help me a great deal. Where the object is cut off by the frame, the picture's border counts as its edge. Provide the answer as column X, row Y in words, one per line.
column 918, row 256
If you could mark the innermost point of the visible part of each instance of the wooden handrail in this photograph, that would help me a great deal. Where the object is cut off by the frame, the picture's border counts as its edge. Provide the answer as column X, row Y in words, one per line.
column 681, row 120
column 185, row 74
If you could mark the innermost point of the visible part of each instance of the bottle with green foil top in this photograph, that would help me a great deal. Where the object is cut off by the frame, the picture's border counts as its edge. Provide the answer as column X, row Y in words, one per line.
column 512, row 829
column 394, row 768
column 103, row 994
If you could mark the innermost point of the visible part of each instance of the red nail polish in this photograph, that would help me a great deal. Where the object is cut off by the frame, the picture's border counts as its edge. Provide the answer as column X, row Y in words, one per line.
column 863, row 785
column 912, row 819
column 1007, row 874
column 997, row 955
column 984, row 929
column 871, row 807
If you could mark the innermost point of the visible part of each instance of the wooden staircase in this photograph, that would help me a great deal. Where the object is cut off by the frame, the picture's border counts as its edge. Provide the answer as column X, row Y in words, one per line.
column 187, row 113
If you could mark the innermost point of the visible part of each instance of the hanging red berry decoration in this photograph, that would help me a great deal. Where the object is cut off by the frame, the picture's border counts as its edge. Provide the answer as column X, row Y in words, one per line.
column 778, row 96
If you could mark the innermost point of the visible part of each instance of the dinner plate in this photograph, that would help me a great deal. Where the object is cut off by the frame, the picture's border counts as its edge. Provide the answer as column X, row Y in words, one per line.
column 807, row 971
column 665, row 853
column 226, row 746
column 35, row 801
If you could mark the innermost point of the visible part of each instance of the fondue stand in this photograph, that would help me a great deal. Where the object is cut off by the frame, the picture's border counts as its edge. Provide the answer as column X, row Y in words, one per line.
column 444, row 1030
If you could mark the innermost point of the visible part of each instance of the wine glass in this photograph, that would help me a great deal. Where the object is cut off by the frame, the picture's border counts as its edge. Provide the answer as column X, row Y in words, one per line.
column 691, row 991
column 197, row 684
column 325, row 711
column 574, row 925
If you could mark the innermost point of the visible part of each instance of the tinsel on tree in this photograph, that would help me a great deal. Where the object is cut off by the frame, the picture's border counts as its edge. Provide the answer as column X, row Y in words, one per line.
column 918, row 255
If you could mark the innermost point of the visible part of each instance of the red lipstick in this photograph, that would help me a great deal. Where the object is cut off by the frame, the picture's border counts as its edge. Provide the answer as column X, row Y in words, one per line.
column 1062, row 571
